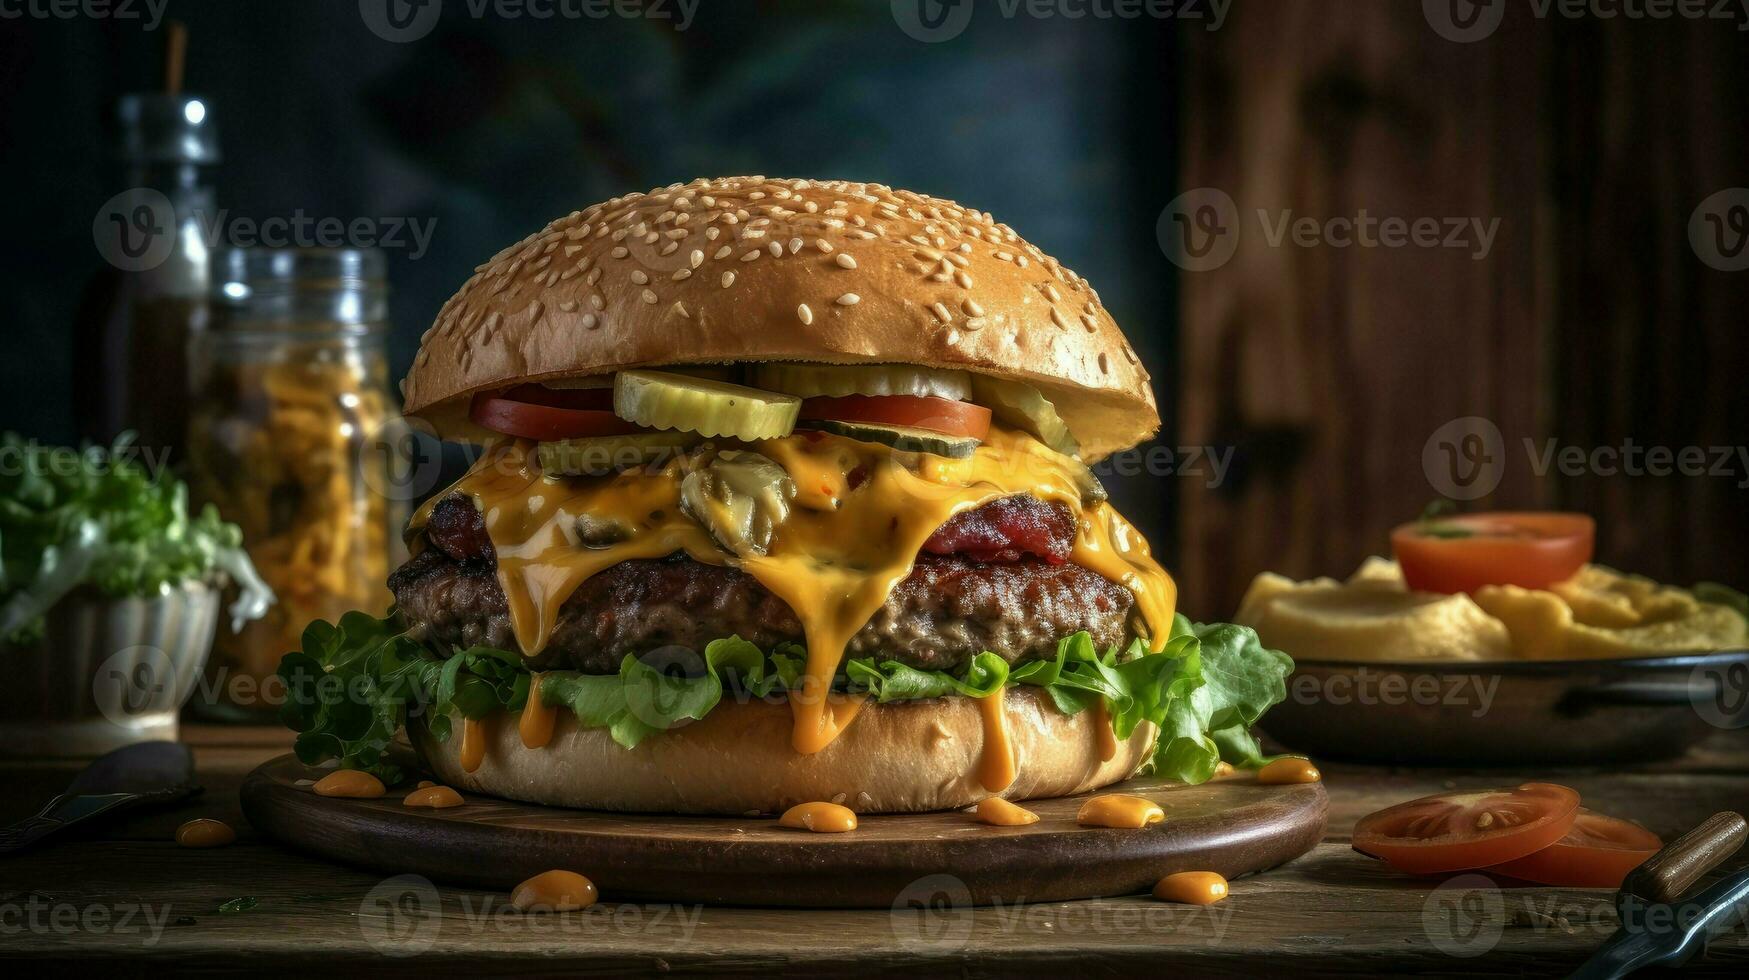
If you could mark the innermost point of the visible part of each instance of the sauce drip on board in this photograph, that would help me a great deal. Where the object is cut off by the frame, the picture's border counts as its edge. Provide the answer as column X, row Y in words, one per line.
column 998, row 812
column 435, row 797
column 1191, row 888
column 1282, row 772
column 350, row 783
column 1120, row 811
column 821, row 818
column 205, row 832
column 997, row 765
column 834, row 560
column 536, row 726
column 555, row 891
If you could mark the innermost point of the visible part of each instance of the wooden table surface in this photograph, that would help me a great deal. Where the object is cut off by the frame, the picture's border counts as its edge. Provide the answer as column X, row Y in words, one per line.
column 129, row 900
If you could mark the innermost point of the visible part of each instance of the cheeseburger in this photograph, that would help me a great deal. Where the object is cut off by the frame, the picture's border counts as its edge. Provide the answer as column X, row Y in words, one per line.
column 782, row 496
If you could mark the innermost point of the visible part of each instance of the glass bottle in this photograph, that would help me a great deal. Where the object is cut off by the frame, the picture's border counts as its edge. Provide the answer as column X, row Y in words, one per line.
column 289, row 436
column 140, row 314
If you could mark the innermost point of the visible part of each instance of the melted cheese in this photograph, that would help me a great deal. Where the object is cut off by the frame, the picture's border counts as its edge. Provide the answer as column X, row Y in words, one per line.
column 835, row 560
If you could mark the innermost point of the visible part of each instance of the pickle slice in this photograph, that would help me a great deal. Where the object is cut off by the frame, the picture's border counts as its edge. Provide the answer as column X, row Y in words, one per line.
column 838, row 380
column 1022, row 407
column 601, row 455
column 901, row 437
column 661, row 400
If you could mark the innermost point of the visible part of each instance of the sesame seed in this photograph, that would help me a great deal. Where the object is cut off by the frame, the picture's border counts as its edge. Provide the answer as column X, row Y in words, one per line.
column 620, row 252
column 964, row 280
column 669, row 248
column 822, row 244
column 972, row 308
column 723, row 253
column 728, row 279
column 596, row 301
column 1089, row 322
column 590, row 321
column 941, row 313
column 975, row 323
column 844, row 260
column 806, row 314
column 696, row 258
column 1104, row 363
column 649, row 297
column 594, row 276
column 640, row 277
column 795, row 246
column 1057, row 320
column 680, row 274
column 750, row 256
column 849, row 299
column 1051, row 291
column 776, row 250
column 679, row 308
column 567, row 305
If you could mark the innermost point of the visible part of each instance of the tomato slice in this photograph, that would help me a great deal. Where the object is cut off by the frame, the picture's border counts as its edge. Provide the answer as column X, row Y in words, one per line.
column 1597, row 852
column 545, row 414
column 944, row 415
column 1464, row 553
column 1459, row 831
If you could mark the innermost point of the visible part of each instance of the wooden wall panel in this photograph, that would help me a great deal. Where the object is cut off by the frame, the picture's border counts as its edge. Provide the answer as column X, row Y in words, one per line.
column 1590, row 321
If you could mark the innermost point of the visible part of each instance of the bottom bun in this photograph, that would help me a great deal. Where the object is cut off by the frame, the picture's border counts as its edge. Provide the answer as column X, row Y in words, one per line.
column 901, row 757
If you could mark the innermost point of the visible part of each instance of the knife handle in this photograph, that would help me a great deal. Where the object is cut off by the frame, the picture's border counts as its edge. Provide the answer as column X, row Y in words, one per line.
column 1668, row 874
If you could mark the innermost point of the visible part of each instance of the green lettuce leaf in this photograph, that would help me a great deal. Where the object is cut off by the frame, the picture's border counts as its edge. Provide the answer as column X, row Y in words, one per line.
column 355, row 683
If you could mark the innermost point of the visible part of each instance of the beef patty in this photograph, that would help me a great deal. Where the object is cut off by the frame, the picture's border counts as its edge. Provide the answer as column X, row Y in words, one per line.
column 1002, row 585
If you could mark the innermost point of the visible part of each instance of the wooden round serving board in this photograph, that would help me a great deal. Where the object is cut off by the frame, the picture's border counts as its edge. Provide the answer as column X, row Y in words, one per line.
column 1232, row 826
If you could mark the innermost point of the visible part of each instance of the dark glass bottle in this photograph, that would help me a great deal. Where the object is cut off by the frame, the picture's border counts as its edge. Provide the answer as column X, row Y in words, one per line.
column 142, row 310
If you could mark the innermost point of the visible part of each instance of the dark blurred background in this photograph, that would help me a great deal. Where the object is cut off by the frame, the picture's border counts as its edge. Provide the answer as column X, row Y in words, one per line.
column 1327, row 371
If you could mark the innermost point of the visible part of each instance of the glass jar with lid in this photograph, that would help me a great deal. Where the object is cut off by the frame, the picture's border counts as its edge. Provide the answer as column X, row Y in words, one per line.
column 288, row 435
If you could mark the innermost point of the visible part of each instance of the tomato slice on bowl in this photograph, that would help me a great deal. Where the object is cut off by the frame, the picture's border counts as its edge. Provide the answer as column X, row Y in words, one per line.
column 1597, row 852
column 546, row 414
column 1460, row 831
column 944, row 415
column 1464, row 553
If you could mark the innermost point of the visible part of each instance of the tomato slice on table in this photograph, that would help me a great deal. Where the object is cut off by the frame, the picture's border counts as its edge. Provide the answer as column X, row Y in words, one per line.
column 1464, row 553
column 1460, row 831
column 1597, row 852
column 954, row 418
column 546, row 414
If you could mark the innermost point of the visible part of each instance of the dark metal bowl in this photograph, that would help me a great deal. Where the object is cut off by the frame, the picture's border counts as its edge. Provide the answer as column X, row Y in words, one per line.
column 1510, row 713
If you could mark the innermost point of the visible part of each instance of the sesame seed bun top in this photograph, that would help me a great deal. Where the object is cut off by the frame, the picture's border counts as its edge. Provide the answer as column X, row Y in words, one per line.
column 762, row 269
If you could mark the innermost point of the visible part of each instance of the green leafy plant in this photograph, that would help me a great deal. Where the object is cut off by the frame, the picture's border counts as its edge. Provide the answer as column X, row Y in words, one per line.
column 97, row 517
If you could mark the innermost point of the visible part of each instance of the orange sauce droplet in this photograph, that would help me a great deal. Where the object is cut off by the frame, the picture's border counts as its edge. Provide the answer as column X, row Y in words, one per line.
column 203, row 832
column 473, row 744
column 998, row 812
column 350, row 783
column 555, row 891
column 821, row 818
column 1224, row 769
column 1117, row 810
column 996, row 765
column 1292, row 770
column 536, row 726
column 1102, row 730
column 1191, row 888
column 435, row 797
column 426, row 782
